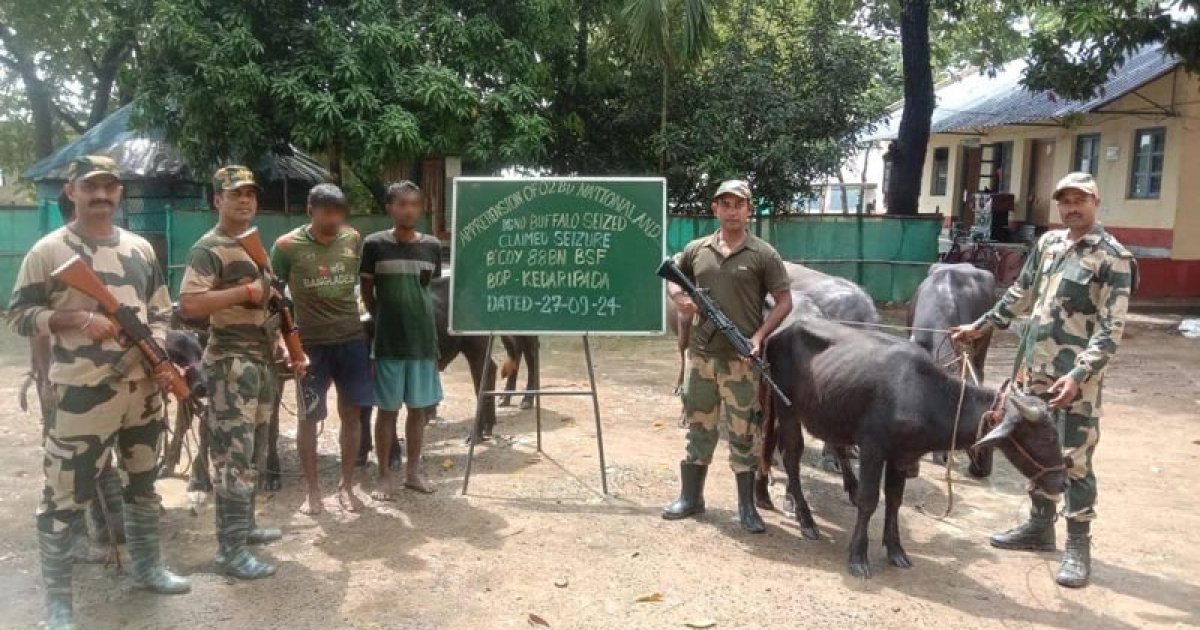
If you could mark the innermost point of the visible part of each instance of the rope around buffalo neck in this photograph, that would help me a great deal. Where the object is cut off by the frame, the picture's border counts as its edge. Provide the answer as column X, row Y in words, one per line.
column 848, row 322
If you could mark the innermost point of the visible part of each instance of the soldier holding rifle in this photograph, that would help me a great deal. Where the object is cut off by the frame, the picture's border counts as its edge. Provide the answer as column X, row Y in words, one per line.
column 738, row 270
column 105, row 394
column 223, row 283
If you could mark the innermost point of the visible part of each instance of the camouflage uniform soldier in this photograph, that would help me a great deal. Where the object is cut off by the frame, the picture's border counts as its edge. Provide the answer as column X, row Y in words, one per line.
column 104, row 395
column 1075, row 286
column 91, row 534
column 739, row 269
column 222, row 283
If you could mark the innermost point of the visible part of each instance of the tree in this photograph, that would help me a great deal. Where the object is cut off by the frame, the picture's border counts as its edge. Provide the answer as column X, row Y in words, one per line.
column 1076, row 45
column 370, row 82
column 68, row 57
column 781, row 107
column 672, row 34
column 943, row 33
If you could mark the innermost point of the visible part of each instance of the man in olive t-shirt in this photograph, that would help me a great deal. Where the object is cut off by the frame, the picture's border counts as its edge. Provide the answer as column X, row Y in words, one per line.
column 738, row 270
column 319, row 263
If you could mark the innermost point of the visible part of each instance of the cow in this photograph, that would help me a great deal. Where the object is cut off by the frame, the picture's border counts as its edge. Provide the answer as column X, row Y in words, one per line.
column 891, row 399
column 952, row 295
column 518, row 348
column 825, row 296
column 474, row 348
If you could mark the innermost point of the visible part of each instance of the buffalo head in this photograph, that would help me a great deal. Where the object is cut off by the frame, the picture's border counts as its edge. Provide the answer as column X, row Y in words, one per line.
column 1028, row 437
column 185, row 351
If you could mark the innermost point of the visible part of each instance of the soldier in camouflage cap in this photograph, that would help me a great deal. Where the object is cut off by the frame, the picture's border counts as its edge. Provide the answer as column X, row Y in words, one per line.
column 222, row 283
column 1075, row 286
column 104, row 395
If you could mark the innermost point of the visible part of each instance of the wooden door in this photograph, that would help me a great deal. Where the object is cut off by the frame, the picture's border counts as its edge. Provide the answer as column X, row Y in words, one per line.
column 1038, row 202
column 969, row 185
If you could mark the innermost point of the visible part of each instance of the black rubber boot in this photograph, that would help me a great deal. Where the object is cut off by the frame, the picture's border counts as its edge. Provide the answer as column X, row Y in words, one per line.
column 260, row 535
column 233, row 524
column 691, row 494
column 747, row 511
column 55, row 551
column 141, row 530
column 1036, row 534
column 1076, row 568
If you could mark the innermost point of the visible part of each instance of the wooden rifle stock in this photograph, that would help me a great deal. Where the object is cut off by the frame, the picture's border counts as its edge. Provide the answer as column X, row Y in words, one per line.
column 252, row 243
column 76, row 274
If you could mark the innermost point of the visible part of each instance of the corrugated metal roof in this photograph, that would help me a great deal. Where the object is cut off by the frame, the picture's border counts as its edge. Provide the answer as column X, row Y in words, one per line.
column 978, row 102
column 147, row 155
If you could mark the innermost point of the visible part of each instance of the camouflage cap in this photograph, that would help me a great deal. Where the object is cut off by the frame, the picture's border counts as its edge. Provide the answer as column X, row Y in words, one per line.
column 89, row 166
column 1083, row 182
column 233, row 176
column 733, row 187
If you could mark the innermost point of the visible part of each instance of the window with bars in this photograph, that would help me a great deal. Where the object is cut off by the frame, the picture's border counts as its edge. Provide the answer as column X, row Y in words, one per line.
column 1146, row 168
column 1087, row 153
column 941, row 171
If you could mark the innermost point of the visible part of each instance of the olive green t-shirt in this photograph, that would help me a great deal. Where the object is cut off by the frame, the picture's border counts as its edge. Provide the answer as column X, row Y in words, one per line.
column 739, row 284
column 217, row 261
column 321, row 279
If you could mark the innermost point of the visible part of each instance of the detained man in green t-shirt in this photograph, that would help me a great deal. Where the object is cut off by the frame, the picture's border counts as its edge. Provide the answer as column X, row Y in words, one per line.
column 397, row 268
column 319, row 263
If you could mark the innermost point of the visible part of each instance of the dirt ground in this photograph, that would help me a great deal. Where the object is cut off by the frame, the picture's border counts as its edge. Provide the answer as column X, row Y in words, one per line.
column 536, row 536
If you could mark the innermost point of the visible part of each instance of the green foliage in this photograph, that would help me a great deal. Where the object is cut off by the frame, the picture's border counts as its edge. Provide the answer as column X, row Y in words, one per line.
column 1078, row 43
column 378, row 81
column 669, row 31
column 61, row 63
column 778, row 102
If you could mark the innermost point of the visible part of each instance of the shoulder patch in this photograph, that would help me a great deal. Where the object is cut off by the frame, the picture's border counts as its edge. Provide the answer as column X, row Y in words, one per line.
column 1114, row 247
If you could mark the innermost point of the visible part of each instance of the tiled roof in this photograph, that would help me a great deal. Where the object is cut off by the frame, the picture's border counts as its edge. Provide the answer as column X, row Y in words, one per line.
column 978, row 102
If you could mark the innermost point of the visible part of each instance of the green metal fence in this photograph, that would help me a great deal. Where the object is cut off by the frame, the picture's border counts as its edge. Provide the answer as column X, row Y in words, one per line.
column 887, row 255
column 187, row 226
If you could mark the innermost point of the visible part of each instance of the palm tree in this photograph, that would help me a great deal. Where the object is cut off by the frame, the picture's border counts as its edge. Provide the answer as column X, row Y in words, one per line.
column 670, row 33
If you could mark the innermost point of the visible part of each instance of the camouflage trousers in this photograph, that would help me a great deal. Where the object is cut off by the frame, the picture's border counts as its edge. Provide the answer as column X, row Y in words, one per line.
column 709, row 383
column 1079, row 432
column 243, row 394
column 86, row 422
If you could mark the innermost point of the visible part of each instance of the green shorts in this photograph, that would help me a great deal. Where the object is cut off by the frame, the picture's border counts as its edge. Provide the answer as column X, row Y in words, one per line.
column 407, row 382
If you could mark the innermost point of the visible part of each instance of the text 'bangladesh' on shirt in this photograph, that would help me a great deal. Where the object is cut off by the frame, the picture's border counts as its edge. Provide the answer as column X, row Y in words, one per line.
column 401, row 273
column 321, row 278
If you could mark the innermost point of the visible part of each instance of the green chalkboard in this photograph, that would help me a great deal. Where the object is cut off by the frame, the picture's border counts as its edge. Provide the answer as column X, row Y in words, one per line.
column 565, row 255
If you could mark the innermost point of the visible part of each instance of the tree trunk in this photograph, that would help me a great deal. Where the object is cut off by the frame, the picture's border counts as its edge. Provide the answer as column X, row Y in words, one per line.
column 42, row 109
column 106, row 76
column 910, row 147
column 662, row 121
column 335, row 162
column 845, row 196
column 41, row 105
column 581, row 37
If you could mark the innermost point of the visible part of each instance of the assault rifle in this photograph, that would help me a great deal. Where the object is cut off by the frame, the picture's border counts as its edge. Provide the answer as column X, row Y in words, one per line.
column 76, row 274
column 671, row 272
column 252, row 243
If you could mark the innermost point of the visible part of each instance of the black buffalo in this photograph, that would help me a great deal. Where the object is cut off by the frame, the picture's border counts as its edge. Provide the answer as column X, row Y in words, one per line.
column 889, row 397
column 952, row 295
